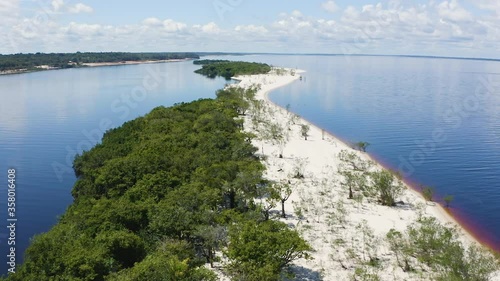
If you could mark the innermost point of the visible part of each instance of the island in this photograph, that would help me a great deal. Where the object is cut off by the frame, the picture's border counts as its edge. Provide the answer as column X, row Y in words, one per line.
column 21, row 63
column 238, row 188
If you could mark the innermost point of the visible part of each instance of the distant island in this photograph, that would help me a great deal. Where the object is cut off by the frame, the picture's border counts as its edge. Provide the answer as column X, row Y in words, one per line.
column 20, row 63
column 228, row 69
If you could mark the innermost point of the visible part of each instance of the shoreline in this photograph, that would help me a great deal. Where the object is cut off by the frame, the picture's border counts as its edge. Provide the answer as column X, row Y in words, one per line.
column 98, row 64
column 84, row 65
column 440, row 212
column 325, row 151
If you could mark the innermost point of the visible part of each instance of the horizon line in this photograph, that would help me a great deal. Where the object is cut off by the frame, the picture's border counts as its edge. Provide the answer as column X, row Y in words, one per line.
column 276, row 53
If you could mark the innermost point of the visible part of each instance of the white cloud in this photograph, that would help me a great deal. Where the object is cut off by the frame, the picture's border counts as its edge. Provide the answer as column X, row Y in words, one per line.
column 152, row 22
column 259, row 29
column 297, row 14
column 57, row 5
column 330, row 6
column 440, row 26
column 172, row 26
column 211, row 27
column 84, row 30
column 7, row 6
column 80, row 8
column 453, row 11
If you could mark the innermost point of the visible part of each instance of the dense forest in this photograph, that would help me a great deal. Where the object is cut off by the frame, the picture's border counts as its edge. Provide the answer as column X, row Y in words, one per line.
column 69, row 60
column 228, row 69
column 160, row 196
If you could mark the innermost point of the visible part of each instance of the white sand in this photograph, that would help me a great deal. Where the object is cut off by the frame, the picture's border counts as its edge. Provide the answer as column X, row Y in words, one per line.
column 97, row 64
column 320, row 193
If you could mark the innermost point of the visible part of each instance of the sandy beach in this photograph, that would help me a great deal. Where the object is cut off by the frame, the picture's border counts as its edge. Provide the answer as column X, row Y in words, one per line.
column 313, row 208
column 130, row 62
column 97, row 64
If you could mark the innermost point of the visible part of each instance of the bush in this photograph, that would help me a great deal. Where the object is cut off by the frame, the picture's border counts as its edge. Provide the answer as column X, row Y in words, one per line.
column 260, row 251
column 387, row 186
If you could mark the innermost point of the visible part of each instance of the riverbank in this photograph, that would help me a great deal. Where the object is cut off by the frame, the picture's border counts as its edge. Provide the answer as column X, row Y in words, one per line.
column 98, row 64
column 316, row 200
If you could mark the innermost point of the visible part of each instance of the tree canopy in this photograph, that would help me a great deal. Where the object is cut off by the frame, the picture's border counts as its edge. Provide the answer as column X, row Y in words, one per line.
column 228, row 69
column 69, row 60
column 157, row 198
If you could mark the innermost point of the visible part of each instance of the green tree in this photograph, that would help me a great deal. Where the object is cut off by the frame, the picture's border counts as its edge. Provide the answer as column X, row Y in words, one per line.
column 388, row 186
column 399, row 244
column 277, row 135
column 269, row 197
column 428, row 193
column 269, row 245
column 210, row 239
column 304, row 130
column 283, row 191
column 361, row 145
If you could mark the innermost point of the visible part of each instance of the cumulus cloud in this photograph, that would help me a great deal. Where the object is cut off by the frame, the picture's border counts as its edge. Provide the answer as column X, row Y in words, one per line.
column 57, row 5
column 210, row 27
column 84, row 30
column 173, row 26
column 152, row 22
column 80, row 8
column 426, row 28
column 453, row 11
column 259, row 29
column 330, row 6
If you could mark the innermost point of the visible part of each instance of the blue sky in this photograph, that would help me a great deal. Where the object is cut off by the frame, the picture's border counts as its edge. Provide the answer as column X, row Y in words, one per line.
column 424, row 27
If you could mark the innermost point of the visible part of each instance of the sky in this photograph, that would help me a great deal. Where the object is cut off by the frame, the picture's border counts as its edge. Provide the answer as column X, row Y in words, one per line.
column 462, row 28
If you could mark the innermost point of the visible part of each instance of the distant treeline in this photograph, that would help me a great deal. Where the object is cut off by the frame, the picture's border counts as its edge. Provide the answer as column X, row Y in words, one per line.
column 228, row 69
column 207, row 62
column 69, row 60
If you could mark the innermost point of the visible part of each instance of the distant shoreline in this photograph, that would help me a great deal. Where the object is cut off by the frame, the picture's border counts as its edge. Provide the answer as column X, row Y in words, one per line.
column 97, row 64
column 83, row 65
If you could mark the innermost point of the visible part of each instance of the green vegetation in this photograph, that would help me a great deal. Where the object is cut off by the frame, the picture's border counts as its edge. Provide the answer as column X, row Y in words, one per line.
column 388, row 186
column 427, row 244
column 228, row 69
column 361, row 145
column 207, row 62
column 304, row 131
column 447, row 200
column 260, row 251
column 426, row 249
column 29, row 62
column 355, row 173
column 428, row 193
column 160, row 196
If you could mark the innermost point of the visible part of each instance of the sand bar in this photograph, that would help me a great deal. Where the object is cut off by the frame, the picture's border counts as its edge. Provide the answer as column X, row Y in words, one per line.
column 320, row 193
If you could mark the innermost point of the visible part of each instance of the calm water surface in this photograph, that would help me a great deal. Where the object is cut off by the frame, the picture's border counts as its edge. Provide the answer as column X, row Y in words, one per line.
column 47, row 117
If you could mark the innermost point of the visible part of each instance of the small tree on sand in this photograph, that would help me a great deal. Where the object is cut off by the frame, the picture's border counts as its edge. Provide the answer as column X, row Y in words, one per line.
column 268, row 200
column 388, row 186
column 283, row 191
column 304, row 131
column 361, row 146
column 428, row 193
column 275, row 133
column 354, row 170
